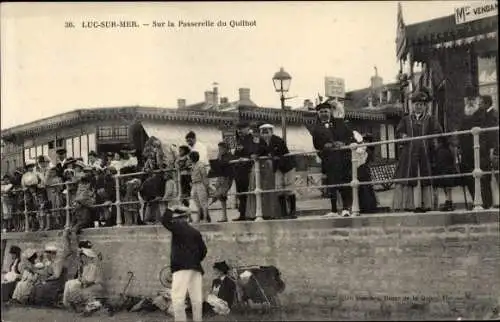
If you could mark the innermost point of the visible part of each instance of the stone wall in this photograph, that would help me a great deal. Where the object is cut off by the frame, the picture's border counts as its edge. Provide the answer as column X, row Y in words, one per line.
column 386, row 263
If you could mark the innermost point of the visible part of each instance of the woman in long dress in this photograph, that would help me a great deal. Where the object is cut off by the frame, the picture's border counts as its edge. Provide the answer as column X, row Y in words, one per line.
column 10, row 278
column 88, row 287
column 29, row 277
column 415, row 160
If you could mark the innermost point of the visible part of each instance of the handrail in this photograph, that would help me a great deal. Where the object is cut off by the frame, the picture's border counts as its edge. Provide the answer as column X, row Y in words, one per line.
column 354, row 184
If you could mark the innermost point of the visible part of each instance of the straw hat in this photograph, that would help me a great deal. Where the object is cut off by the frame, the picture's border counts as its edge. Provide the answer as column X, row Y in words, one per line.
column 89, row 252
column 50, row 248
column 28, row 253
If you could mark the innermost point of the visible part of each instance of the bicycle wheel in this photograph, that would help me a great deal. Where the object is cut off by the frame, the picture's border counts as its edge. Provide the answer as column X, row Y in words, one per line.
column 165, row 276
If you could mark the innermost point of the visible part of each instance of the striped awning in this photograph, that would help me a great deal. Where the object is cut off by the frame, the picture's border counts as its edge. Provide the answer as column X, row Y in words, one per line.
column 466, row 41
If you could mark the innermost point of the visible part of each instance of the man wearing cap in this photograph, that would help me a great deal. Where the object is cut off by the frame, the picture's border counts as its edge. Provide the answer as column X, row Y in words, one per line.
column 416, row 156
column 283, row 168
column 329, row 134
column 61, row 159
column 187, row 252
column 242, row 170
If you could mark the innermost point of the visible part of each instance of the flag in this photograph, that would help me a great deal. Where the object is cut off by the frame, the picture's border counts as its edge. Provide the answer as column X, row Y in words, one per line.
column 400, row 34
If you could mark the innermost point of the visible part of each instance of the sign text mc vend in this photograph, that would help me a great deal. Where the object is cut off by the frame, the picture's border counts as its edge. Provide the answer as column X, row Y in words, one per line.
column 476, row 11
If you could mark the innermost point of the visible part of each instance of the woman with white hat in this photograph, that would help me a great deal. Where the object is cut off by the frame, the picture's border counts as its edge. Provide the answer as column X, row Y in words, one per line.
column 88, row 287
column 29, row 277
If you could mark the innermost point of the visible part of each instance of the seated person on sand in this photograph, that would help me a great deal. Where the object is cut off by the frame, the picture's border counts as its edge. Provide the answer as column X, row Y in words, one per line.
column 50, row 286
column 22, row 292
column 13, row 275
column 88, row 287
column 222, row 294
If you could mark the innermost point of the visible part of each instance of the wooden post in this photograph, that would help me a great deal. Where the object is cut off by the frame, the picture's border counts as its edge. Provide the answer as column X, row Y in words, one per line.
column 26, row 215
column 477, row 172
column 117, row 203
column 355, row 181
column 258, row 192
column 68, row 207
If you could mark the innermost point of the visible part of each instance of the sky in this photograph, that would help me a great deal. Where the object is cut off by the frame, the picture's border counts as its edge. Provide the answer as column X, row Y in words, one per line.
column 47, row 69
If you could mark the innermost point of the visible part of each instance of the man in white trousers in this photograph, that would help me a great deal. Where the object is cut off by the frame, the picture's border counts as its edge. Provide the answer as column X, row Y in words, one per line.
column 187, row 252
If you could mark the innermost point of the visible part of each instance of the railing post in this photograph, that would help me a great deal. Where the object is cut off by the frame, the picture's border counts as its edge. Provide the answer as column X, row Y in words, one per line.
column 355, row 181
column 117, row 203
column 257, row 191
column 68, row 207
column 26, row 215
column 179, row 187
column 477, row 172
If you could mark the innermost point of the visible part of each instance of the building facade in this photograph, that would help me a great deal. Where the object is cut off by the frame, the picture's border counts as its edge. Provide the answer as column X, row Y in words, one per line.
column 108, row 129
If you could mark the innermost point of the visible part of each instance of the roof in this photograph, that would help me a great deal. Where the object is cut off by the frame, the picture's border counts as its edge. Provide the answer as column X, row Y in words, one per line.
column 358, row 99
column 229, row 106
column 171, row 114
column 427, row 34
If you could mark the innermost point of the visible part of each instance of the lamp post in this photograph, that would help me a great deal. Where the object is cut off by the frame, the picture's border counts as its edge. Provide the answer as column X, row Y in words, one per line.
column 282, row 82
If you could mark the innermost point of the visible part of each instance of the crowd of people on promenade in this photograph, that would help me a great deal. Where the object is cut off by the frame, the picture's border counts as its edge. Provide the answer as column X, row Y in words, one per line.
column 51, row 185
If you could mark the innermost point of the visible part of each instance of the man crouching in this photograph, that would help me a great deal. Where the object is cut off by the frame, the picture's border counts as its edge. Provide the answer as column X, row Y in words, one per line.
column 187, row 252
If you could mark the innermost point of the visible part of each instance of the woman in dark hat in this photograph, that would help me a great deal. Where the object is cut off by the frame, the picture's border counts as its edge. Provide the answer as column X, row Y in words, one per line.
column 416, row 156
column 222, row 293
column 242, row 170
column 10, row 278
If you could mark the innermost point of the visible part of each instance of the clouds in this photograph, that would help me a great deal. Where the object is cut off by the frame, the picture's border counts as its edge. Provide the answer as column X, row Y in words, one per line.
column 57, row 70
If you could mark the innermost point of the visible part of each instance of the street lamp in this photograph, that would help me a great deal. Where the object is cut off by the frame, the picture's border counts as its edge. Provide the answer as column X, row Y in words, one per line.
column 282, row 82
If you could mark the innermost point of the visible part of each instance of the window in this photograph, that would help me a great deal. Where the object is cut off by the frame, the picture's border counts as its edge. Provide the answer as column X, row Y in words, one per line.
column 26, row 154
column 60, row 143
column 45, row 149
column 39, row 150
column 487, row 77
column 69, row 147
column 76, row 147
column 84, row 147
column 32, row 153
column 113, row 133
column 51, row 145
column 383, row 137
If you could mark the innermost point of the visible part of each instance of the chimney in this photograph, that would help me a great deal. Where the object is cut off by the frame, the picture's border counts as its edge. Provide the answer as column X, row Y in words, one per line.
column 215, row 93
column 209, row 97
column 244, row 94
column 181, row 103
column 224, row 100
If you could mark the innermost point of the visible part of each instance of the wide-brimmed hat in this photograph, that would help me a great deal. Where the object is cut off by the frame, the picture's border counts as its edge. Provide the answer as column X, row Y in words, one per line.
column 70, row 160
column 84, row 244
column 29, row 253
column 30, row 163
column 222, row 266
column 89, row 252
column 92, row 154
column 180, row 211
column 422, row 96
column 323, row 106
column 15, row 250
column 266, row 126
column 80, row 164
column 61, row 150
column 43, row 158
column 50, row 248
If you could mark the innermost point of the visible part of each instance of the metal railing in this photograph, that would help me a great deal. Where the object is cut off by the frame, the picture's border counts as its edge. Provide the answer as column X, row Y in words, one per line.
column 477, row 173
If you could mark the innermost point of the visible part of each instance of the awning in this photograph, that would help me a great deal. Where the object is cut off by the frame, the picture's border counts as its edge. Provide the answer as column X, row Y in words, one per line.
column 466, row 41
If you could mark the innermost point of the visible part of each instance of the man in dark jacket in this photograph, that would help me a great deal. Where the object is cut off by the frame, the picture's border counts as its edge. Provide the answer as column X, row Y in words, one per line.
column 328, row 135
column 223, row 287
column 476, row 115
column 283, row 167
column 242, row 170
column 187, row 252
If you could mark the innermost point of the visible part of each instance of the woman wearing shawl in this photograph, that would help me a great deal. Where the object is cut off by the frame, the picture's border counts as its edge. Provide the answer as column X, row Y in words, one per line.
column 29, row 277
column 88, row 287
column 10, row 278
column 416, row 156
column 56, row 199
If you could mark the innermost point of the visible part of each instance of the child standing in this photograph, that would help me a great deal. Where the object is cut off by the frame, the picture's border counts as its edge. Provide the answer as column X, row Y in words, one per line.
column 131, row 211
column 445, row 164
column 184, row 165
column 200, row 186
column 7, row 203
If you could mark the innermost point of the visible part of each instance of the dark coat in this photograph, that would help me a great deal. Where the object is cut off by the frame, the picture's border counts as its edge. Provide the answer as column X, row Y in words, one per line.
column 187, row 248
column 227, row 289
column 336, row 163
column 416, row 154
column 245, row 147
column 277, row 149
column 221, row 166
column 488, row 140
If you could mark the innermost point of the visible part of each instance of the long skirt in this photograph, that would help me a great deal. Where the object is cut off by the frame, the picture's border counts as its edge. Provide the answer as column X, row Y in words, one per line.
column 404, row 198
column 23, row 291
column 74, row 294
column 270, row 203
column 7, row 290
column 47, row 294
